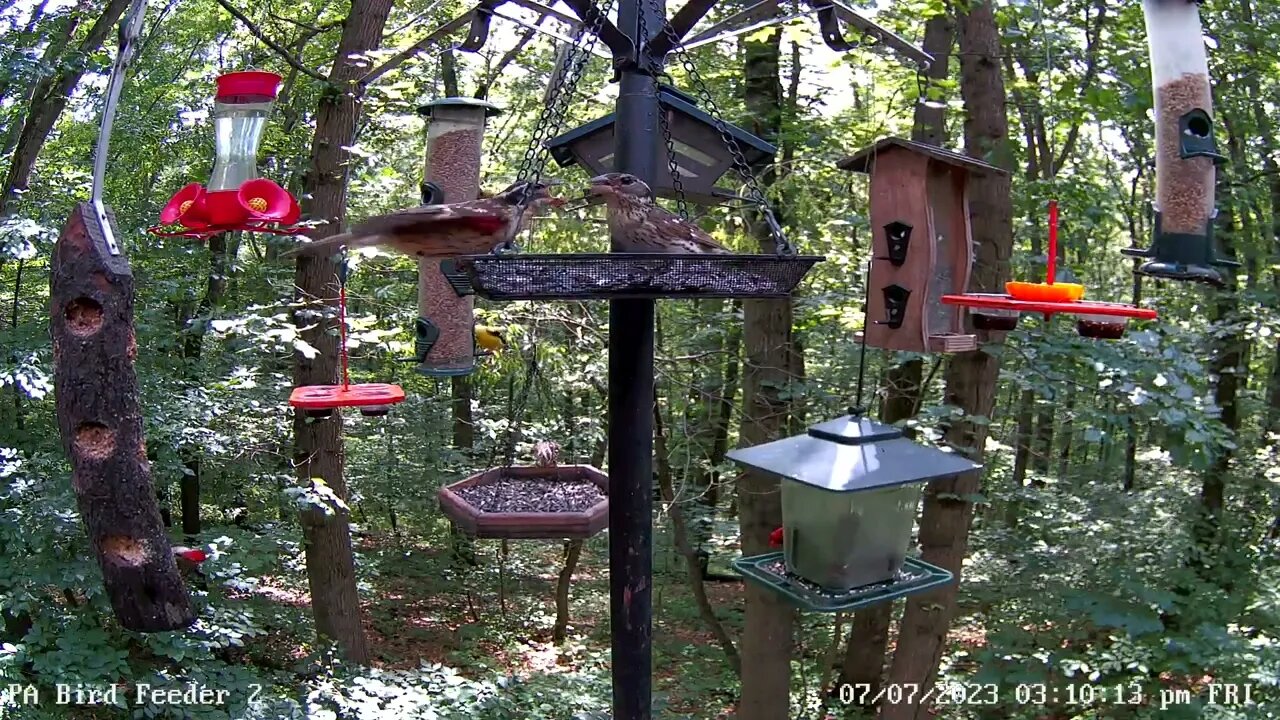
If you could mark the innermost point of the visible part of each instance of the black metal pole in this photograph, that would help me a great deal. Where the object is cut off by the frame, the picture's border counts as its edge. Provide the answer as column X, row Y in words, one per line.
column 631, row 405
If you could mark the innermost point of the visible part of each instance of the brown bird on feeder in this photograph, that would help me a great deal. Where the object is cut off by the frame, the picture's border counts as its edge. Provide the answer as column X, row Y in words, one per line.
column 638, row 225
column 546, row 453
column 463, row 228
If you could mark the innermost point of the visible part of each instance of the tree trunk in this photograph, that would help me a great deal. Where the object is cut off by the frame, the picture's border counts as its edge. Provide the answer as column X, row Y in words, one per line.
column 1043, row 450
column 572, row 551
column 971, row 377
column 768, row 622
column 318, row 447
column 1022, row 449
column 49, row 100
column 464, row 429
column 100, row 420
column 724, row 408
column 868, row 642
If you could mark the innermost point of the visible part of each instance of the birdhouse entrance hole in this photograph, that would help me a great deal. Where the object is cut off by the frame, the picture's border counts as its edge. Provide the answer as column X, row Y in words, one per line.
column 568, row 501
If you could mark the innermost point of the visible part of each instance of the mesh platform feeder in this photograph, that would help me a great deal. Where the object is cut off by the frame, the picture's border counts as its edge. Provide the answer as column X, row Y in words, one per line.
column 445, row 334
column 1186, row 152
column 99, row 417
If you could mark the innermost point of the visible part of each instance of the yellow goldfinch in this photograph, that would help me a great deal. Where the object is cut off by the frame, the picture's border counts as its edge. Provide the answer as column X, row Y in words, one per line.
column 489, row 338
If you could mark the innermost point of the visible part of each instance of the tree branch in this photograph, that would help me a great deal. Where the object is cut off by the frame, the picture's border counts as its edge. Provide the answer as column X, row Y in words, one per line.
column 293, row 62
column 482, row 90
column 1092, row 40
column 400, row 57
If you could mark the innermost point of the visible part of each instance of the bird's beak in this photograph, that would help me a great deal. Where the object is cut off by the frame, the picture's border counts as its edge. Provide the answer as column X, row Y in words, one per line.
column 600, row 184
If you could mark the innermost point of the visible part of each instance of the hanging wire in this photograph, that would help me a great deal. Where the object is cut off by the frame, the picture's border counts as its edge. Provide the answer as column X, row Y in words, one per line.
column 342, row 323
column 858, row 408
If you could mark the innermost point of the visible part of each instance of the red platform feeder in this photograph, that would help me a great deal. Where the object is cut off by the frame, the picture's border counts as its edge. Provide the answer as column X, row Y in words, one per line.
column 371, row 398
column 552, row 503
column 1102, row 320
column 235, row 198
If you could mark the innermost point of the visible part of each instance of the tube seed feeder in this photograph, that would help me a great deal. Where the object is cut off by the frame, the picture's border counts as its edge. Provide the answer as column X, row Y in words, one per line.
column 1186, row 152
column 236, row 198
column 850, row 488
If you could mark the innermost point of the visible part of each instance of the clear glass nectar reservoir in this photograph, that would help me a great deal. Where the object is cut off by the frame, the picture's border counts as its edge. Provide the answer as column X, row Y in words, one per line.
column 240, row 111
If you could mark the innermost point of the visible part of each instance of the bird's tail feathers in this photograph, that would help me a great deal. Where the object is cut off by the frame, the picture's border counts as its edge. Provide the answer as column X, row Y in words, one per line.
column 333, row 244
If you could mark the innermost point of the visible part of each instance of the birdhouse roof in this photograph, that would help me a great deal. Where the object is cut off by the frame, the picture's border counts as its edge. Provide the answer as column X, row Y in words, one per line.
column 851, row 454
column 862, row 160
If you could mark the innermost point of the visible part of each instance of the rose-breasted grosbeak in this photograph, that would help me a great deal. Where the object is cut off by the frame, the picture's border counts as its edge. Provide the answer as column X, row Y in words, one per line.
column 638, row 225
column 441, row 231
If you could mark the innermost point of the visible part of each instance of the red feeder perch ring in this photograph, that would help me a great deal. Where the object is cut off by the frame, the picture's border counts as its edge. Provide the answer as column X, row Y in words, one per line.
column 1097, row 319
column 371, row 398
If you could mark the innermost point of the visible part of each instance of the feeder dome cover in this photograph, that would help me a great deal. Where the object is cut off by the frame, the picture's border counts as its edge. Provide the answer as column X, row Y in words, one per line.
column 852, row 454
column 490, row 110
column 701, row 155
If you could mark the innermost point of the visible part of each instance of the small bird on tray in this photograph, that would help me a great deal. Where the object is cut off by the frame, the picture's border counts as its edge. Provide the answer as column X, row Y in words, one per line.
column 638, row 225
column 546, row 453
column 473, row 227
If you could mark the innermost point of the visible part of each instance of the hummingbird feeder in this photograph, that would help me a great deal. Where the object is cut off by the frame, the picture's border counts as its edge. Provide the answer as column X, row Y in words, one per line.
column 850, row 488
column 701, row 156
column 1099, row 320
column 236, row 198
column 1186, row 152
column 922, row 245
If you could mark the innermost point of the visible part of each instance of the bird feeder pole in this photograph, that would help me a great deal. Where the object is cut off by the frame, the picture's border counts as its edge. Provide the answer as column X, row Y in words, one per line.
column 631, row 382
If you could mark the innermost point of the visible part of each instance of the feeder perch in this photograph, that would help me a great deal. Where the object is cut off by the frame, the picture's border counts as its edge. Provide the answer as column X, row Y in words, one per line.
column 770, row 572
column 922, row 247
column 235, row 198
column 371, row 398
column 1186, row 152
column 455, row 142
column 850, row 488
column 567, row 501
column 611, row 276
column 701, row 156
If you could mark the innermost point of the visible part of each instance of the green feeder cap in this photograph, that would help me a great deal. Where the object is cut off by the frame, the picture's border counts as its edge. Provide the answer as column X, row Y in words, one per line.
column 490, row 110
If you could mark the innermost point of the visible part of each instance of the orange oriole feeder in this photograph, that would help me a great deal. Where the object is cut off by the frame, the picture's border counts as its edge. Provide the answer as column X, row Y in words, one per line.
column 373, row 399
column 1100, row 320
column 236, row 198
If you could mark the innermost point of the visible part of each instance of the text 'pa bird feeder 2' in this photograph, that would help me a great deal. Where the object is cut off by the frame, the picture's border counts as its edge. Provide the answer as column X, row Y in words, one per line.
column 561, row 502
column 850, row 488
column 922, row 245
column 701, row 157
column 235, row 198
column 446, row 302
column 1186, row 152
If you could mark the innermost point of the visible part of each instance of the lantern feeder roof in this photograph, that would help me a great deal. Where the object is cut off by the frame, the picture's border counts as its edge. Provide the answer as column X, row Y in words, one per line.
column 863, row 160
column 754, row 148
column 852, row 454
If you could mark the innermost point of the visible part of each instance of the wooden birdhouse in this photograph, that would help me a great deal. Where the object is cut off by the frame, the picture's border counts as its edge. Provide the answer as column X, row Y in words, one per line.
column 922, row 246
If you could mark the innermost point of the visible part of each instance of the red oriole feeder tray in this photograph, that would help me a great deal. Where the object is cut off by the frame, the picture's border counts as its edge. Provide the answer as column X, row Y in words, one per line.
column 373, row 399
column 236, row 198
column 1094, row 319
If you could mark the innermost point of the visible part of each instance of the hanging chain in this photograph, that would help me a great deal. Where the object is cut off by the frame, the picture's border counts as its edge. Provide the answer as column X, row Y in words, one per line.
column 552, row 117
column 681, row 206
column 754, row 193
column 517, row 413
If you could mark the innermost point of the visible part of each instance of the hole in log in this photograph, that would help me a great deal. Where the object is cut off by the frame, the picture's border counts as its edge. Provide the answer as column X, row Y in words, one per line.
column 124, row 551
column 94, row 441
column 84, row 316
column 131, row 350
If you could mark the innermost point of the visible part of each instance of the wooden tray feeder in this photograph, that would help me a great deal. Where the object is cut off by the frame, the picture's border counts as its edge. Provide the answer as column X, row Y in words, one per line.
column 564, row 502
column 605, row 276
column 922, row 245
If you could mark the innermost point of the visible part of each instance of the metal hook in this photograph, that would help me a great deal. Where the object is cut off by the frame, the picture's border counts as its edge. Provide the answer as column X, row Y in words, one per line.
column 130, row 28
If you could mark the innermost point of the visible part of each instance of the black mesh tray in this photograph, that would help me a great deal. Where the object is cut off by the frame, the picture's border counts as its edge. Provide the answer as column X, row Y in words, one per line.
column 605, row 276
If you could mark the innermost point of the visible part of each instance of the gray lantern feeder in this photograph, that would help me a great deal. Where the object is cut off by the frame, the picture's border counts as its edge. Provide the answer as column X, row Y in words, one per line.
column 701, row 156
column 850, row 488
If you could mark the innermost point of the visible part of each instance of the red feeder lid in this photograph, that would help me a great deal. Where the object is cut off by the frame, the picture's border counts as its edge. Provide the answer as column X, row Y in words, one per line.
column 248, row 86
column 322, row 397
